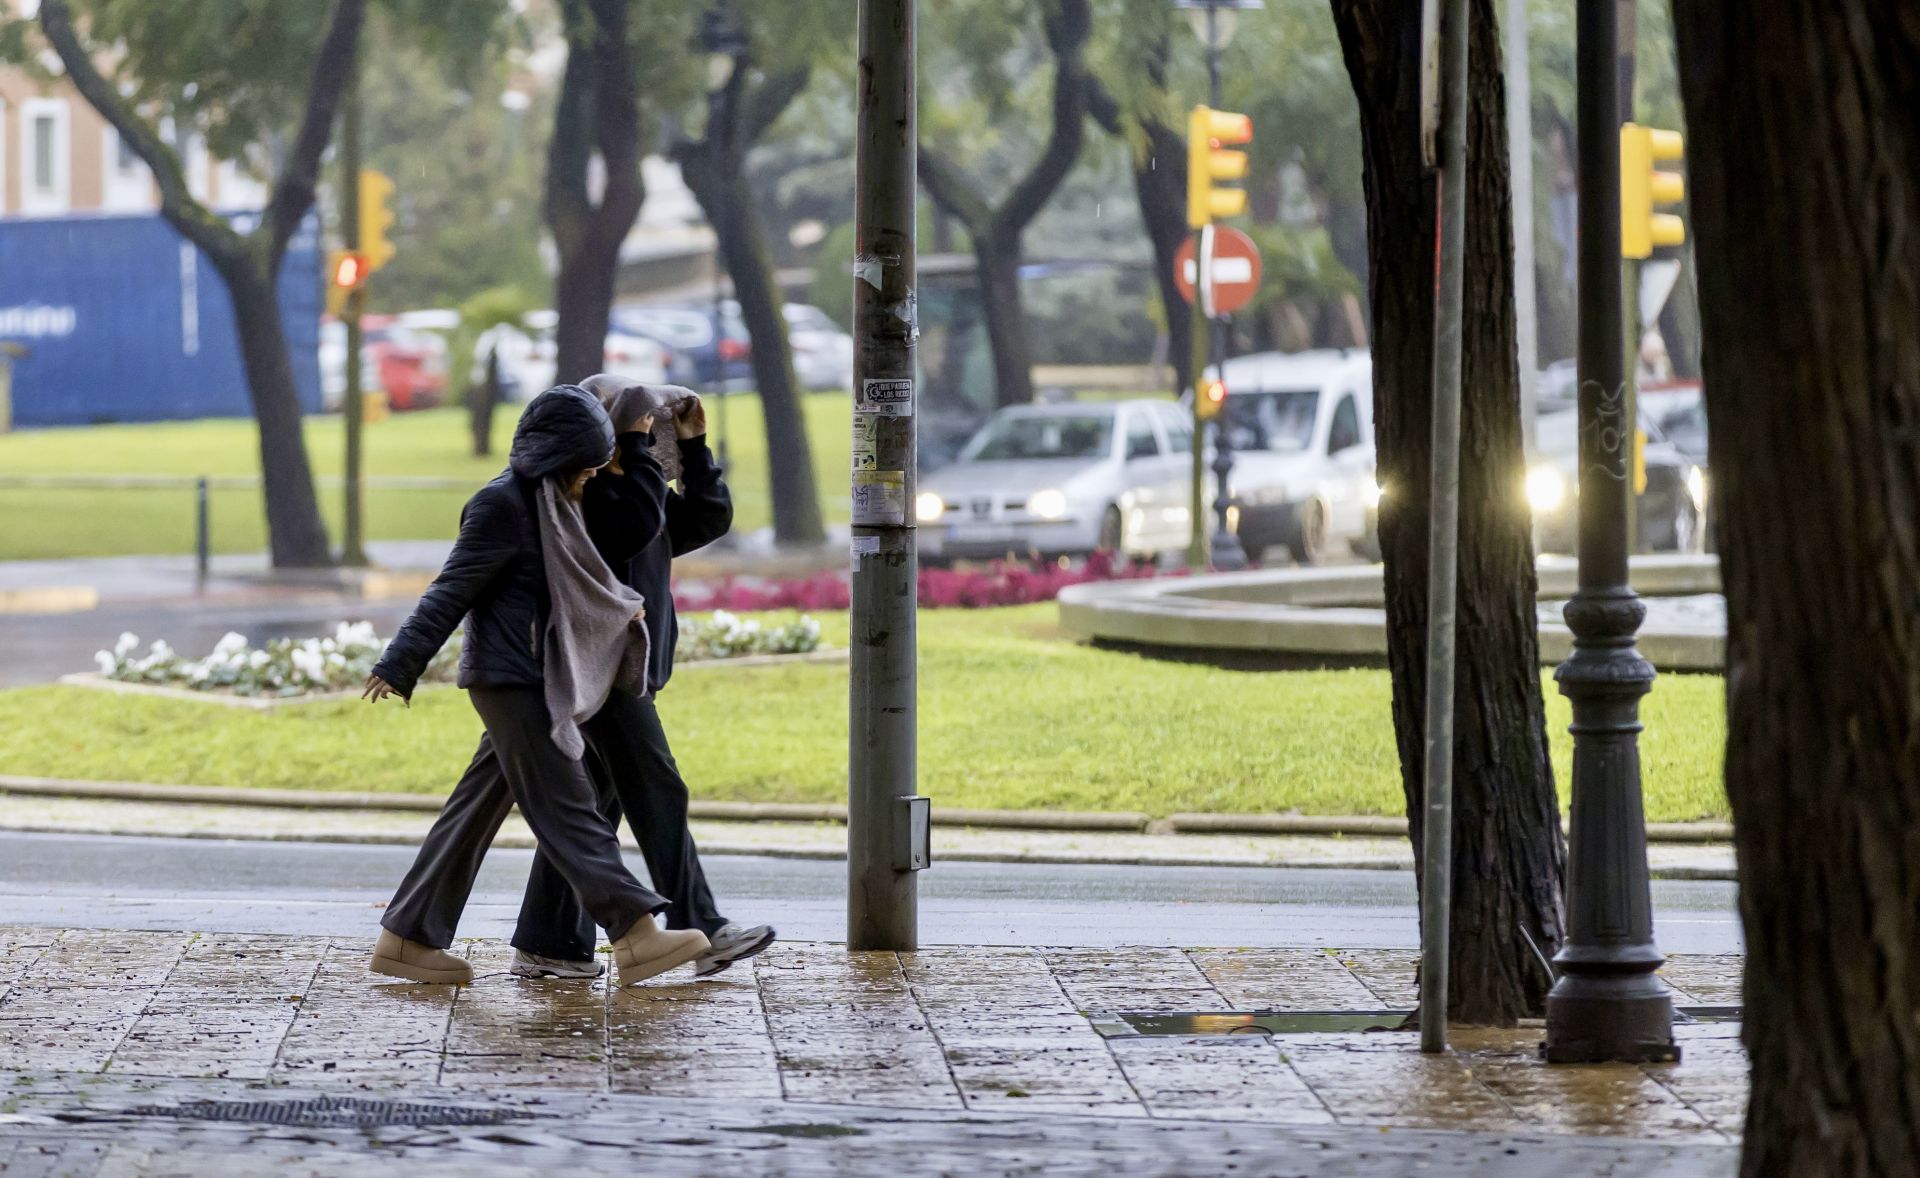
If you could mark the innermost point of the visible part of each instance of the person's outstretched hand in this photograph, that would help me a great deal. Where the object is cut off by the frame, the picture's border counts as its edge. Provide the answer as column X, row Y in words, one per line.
column 377, row 689
column 691, row 420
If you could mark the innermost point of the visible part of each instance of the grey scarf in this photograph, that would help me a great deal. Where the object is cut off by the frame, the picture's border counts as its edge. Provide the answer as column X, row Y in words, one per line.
column 596, row 641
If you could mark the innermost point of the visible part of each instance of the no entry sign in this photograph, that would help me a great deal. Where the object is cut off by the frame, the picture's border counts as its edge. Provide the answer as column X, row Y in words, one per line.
column 1234, row 268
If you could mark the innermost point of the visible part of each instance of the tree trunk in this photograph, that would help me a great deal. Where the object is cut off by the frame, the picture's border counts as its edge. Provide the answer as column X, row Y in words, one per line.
column 1809, row 293
column 583, row 299
column 481, row 399
column 729, row 208
column 296, row 537
column 997, row 268
column 1509, row 860
column 1160, row 183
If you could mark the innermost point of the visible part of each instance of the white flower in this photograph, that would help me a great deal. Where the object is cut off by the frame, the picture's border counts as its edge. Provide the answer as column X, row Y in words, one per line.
column 229, row 645
column 104, row 660
column 127, row 643
column 258, row 659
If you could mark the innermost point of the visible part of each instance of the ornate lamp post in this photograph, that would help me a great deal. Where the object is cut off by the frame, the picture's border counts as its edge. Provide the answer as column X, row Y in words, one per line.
column 1607, row 1004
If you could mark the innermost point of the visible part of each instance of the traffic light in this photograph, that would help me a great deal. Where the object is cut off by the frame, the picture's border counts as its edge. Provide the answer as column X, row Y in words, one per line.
column 347, row 272
column 1209, row 133
column 1642, row 187
column 376, row 217
column 1213, row 399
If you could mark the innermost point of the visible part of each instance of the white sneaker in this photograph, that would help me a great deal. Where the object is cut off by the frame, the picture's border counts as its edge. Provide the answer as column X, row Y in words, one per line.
column 731, row 943
column 532, row 965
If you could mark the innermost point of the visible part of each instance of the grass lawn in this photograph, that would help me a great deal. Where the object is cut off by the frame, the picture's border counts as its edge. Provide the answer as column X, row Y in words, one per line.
column 40, row 523
column 1013, row 714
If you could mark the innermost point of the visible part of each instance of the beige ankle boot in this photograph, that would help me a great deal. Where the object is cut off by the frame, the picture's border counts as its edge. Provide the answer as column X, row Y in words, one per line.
column 398, row 957
column 647, row 950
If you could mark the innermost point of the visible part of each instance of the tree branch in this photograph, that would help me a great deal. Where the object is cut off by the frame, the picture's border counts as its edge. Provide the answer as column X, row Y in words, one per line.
column 177, row 204
column 950, row 190
column 616, row 126
column 299, row 175
column 764, row 106
column 1069, row 25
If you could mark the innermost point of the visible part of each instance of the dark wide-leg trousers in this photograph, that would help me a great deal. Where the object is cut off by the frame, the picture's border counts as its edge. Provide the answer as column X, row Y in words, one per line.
column 634, row 767
column 518, row 763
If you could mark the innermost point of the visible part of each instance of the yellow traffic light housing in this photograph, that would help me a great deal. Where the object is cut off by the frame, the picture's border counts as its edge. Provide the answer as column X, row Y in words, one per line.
column 1213, row 399
column 1209, row 135
column 1642, row 188
column 376, row 218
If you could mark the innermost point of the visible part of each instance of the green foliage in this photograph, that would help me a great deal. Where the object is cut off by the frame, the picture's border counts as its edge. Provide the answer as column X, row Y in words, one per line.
column 832, row 286
column 1013, row 714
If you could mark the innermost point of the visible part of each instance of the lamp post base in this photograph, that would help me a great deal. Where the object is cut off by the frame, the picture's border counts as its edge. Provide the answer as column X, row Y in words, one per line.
column 1609, row 1018
column 1228, row 556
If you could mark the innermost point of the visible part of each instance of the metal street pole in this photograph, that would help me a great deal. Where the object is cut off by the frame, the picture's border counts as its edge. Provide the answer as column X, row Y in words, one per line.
column 1197, row 483
column 1224, row 549
column 886, row 823
column 353, row 543
column 1443, row 534
column 1520, row 172
column 1607, row 1003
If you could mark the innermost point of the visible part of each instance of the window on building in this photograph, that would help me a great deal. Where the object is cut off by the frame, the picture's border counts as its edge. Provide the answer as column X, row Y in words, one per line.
column 44, row 159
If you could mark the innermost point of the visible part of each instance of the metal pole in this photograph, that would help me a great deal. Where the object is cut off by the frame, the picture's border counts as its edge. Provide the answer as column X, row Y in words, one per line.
column 1197, row 483
column 1526, row 335
column 1228, row 556
column 353, row 543
column 1223, row 551
column 202, row 533
column 1436, row 842
column 1607, row 1003
column 886, row 823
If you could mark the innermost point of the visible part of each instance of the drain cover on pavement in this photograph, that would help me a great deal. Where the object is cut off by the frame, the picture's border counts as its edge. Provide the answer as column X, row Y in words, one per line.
column 329, row 1112
column 1130, row 1024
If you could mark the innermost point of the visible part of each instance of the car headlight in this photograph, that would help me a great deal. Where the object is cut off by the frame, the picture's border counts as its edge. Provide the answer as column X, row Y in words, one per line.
column 929, row 507
column 1372, row 493
column 1546, row 488
column 1697, row 488
column 1048, row 504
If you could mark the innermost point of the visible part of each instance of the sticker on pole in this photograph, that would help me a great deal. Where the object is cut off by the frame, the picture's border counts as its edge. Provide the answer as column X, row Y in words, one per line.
column 885, row 398
column 866, row 442
column 880, row 498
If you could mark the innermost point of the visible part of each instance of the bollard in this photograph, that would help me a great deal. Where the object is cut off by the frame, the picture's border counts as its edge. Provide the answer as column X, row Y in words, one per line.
column 202, row 539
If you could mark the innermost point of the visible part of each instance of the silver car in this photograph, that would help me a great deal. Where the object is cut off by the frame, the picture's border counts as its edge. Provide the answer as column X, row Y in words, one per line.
column 1063, row 480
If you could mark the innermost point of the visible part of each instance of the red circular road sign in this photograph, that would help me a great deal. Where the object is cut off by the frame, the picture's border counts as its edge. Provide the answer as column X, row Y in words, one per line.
column 1234, row 267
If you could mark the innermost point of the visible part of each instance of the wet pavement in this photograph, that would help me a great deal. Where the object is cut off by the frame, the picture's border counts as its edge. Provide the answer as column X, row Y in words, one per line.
column 809, row 1058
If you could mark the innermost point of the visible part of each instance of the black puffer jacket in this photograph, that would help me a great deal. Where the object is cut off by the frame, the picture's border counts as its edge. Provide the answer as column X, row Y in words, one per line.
column 494, row 576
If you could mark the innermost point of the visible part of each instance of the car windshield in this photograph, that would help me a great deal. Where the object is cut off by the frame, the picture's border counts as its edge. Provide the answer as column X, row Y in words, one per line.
column 1025, row 436
column 1272, row 420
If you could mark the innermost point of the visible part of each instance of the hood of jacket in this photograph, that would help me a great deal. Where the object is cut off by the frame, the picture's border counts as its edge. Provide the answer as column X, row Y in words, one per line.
column 563, row 429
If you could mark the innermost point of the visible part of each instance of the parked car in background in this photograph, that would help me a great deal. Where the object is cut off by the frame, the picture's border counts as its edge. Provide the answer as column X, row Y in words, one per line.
column 1669, row 513
column 1301, row 427
column 706, row 353
column 527, row 358
column 1063, row 480
column 822, row 353
column 407, row 365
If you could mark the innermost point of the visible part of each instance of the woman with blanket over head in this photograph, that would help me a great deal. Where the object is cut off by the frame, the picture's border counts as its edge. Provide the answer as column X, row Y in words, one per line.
column 550, row 633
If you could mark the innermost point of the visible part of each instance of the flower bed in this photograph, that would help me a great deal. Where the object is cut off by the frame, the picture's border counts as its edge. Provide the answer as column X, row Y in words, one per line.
column 290, row 668
column 998, row 584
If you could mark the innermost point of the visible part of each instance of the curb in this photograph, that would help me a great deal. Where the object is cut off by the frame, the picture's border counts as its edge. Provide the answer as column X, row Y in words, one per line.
column 522, row 842
column 1066, row 821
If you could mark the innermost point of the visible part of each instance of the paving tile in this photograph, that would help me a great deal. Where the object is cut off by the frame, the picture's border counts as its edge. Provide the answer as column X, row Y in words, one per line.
column 1711, row 1076
column 256, row 986
column 357, row 1027
column 70, row 1008
column 1284, row 979
column 93, row 958
column 679, row 1037
column 1709, row 979
column 1110, row 980
column 1389, row 973
column 1218, row 1077
column 1383, row 1079
column 1591, row 1099
column 1011, row 1033
column 512, row 1031
column 846, row 1029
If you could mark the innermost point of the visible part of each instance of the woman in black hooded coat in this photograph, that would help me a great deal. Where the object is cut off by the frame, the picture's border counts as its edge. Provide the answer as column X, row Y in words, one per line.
column 496, row 577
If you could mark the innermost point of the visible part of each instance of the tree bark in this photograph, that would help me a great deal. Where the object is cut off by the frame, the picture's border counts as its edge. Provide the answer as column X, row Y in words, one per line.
column 1509, row 860
column 715, row 170
column 250, row 264
column 599, row 111
column 996, row 231
column 1809, row 296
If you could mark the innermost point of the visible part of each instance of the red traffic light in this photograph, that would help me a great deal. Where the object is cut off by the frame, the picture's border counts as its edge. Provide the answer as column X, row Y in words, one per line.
column 350, row 270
